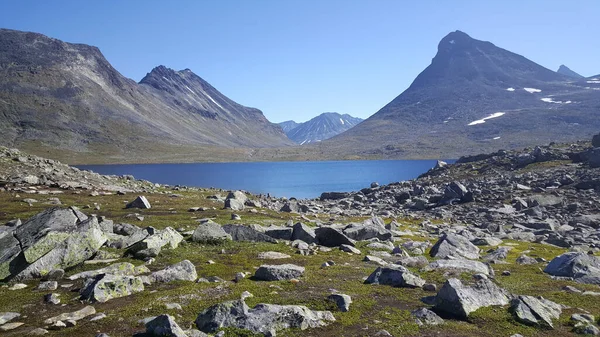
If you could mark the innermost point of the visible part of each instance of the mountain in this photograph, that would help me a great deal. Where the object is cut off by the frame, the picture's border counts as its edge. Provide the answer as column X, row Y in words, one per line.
column 322, row 127
column 475, row 97
column 66, row 101
column 288, row 125
column 563, row 69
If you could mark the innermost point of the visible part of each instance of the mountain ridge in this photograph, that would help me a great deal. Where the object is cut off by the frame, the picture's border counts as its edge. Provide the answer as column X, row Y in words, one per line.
column 319, row 128
column 68, row 99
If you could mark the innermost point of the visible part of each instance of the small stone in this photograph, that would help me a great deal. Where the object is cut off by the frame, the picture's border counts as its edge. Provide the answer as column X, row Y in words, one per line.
column 38, row 332
column 235, row 217
column 6, row 317
column 506, row 273
column 48, row 285
column 18, row 286
column 98, row 317
column 341, row 300
column 52, row 298
column 246, row 294
column 429, row 287
column 173, row 306
column 57, row 325
column 10, row 326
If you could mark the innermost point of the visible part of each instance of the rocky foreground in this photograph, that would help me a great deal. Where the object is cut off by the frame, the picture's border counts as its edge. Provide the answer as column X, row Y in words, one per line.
column 504, row 244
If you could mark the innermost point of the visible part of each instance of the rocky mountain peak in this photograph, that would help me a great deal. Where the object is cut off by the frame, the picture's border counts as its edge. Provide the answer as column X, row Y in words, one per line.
column 563, row 69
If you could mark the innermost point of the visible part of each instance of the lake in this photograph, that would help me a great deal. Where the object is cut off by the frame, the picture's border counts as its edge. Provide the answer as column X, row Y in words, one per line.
column 280, row 179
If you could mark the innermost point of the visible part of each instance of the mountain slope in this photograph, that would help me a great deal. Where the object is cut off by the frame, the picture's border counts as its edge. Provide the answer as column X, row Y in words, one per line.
column 475, row 97
column 288, row 125
column 563, row 69
column 319, row 128
column 67, row 99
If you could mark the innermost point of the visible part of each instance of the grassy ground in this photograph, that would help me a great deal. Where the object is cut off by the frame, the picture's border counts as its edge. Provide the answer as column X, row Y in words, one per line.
column 373, row 307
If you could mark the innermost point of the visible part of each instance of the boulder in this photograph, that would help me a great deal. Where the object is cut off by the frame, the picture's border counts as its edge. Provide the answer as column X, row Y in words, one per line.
column 152, row 244
column 454, row 245
column 118, row 269
column 164, row 326
column 341, row 300
column 329, row 237
column 425, row 316
column 139, row 202
column 182, row 271
column 303, row 233
column 280, row 233
column 395, row 276
column 264, row 319
column 582, row 267
column 278, row 272
column 246, row 233
column 362, row 232
column 456, row 299
column 210, row 232
column 79, row 246
column 105, row 287
column 536, row 311
column 236, row 200
column 461, row 265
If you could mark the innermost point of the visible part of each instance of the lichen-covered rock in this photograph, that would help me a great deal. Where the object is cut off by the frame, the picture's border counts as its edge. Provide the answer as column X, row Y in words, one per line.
column 119, row 269
column 105, row 287
column 459, row 300
column 278, row 272
column 79, row 246
column 395, row 276
column 152, row 245
column 182, row 271
column 263, row 318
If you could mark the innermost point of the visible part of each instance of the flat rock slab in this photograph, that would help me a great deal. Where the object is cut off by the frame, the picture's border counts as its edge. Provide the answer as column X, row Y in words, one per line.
column 454, row 245
column 266, row 319
column 182, row 271
column 395, row 276
column 75, row 315
column 6, row 317
column 273, row 256
column 462, row 265
column 278, row 272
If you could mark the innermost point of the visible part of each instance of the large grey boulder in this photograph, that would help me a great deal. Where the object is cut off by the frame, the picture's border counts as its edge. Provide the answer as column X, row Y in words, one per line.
column 246, row 233
column 535, row 310
column 303, row 233
column 164, row 326
column 210, row 232
column 154, row 243
column 280, row 233
column 582, row 267
column 461, row 265
column 125, row 235
column 139, row 202
column 105, row 287
column 454, row 245
column 78, row 247
column 395, row 276
column 35, row 238
column 263, row 318
column 182, row 271
column 458, row 300
column 236, row 200
column 367, row 232
column 278, row 272
column 330, row 237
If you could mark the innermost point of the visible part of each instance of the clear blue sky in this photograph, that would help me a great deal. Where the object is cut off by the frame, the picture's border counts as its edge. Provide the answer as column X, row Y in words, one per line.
column 295, row 59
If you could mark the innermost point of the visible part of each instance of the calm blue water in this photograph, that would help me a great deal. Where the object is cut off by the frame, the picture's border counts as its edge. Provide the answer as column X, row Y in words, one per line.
column 280, row 179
